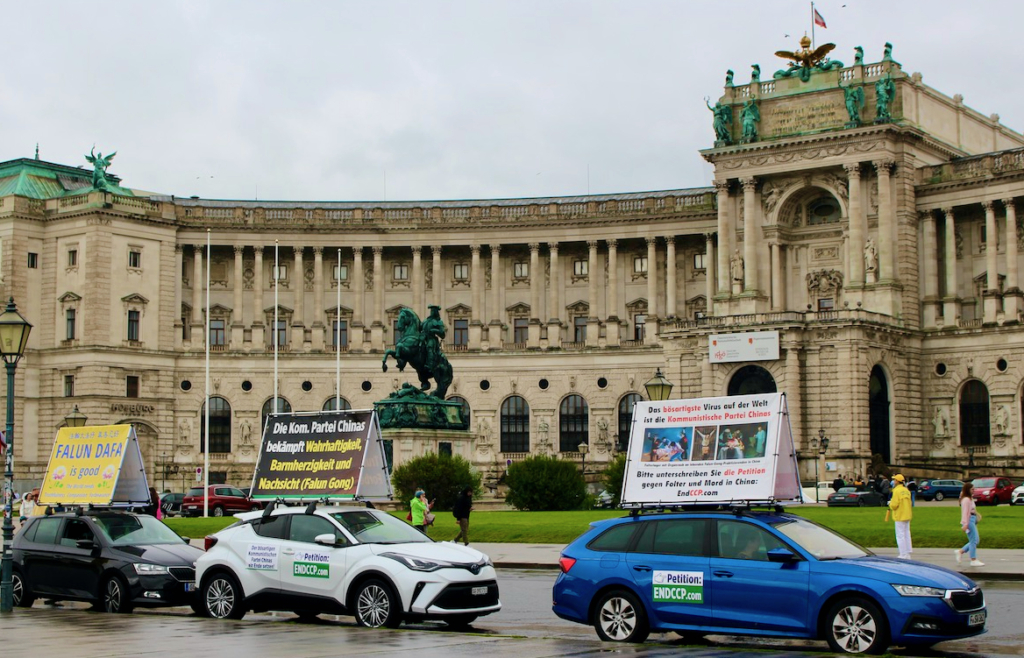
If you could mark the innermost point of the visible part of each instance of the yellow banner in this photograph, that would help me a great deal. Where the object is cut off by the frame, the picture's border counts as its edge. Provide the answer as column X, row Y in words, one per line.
column 85, row 465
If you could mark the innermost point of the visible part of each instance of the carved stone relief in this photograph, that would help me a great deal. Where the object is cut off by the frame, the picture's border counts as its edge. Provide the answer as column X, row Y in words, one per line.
column 824, row 282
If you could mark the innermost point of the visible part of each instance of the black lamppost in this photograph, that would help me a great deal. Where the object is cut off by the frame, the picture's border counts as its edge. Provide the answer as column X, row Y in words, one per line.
column 658, row 388
column 14, row 331
column 819, row 466
column 584, row 448
column 76, row 418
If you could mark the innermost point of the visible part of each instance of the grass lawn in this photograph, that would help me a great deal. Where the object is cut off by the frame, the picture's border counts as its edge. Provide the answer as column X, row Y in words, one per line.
column 932, row 527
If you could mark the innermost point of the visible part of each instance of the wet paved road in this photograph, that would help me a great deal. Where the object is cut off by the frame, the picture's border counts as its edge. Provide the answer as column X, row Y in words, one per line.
column 524, row 628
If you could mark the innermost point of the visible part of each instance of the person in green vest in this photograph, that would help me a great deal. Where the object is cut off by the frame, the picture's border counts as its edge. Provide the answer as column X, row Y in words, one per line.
column 420, row 510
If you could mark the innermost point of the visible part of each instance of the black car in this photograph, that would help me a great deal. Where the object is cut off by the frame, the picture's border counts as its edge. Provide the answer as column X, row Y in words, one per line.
column 854, row 497
column 116, row 560
column 170, row 503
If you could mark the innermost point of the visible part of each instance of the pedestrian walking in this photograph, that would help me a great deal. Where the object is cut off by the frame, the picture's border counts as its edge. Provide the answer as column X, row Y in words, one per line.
column 28, row 505
column 902, row 513
column 463, row 506
column 969, row 518
column 912, row 488
column 420, row 511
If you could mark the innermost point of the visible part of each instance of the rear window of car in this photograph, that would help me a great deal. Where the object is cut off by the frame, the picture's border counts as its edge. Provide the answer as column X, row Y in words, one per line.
column 46, row 531
column 673, row 537
column 197, row 491
column 274, row 527
column 615, row 539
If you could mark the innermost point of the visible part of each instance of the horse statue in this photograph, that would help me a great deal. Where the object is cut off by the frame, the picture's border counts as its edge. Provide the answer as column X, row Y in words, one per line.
column 420, row 347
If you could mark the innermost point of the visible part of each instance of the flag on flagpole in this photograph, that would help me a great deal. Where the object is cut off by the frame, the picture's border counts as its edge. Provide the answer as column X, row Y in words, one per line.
column 818, row 20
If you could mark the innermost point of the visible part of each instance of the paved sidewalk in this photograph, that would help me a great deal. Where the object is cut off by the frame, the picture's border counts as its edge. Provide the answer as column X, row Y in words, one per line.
column 1000, row 563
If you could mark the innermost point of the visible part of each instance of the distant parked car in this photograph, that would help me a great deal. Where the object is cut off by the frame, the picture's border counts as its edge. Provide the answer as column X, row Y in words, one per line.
column 993, row 490
column 1018, row 496
column 853, row 497
column 170, row 503
column 940, row 489
column 824, row 490
column 604, row 499
column 223, row 500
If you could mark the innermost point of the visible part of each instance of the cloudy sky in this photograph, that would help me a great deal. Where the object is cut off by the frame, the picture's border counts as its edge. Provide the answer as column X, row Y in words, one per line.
column 337, row 100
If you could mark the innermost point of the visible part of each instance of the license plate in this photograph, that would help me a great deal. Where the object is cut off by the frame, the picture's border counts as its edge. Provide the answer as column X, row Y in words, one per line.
column 839, row 498
column 190, row 587
column 480, row 591
column 976, row 618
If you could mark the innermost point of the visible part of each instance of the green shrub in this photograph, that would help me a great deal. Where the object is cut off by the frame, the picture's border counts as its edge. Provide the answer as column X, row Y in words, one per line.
column 612, row 477
column 442, row 477
column 544, row 483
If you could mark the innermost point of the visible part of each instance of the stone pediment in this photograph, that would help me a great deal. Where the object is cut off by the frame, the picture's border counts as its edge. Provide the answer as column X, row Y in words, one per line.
column 281, row 310
column 396, row 309
column 519, row 308
column 345, row 311
column 640, row 303
column 134, row 298
column 69, row 297
column 219, row 309
column 458, row 309
column 578, row 307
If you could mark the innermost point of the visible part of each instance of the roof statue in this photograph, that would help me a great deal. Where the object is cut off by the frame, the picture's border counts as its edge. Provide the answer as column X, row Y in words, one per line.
column 854, row 103
column 99, row 169
column 750, row 117
column 722, row 122
column 806, row 60
column 885, row 92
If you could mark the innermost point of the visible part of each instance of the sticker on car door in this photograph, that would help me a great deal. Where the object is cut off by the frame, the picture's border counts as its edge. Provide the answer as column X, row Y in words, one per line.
column 261, row 557
column 311, row 565
column 678, row 586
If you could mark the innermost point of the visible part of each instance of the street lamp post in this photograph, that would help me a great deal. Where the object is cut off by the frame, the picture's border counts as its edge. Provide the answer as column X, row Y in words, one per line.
column 14, row 331
column 584, row 448
column 819, row 466
column 658, row 388
column 76, row 418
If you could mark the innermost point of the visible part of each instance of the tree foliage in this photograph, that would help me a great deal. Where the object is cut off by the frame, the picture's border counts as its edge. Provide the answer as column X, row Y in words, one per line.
column 612, row 477
column 544, row 483
column 442, row 477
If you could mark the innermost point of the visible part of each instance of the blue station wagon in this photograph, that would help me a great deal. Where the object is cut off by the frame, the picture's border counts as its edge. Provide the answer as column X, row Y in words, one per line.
column 757, row 573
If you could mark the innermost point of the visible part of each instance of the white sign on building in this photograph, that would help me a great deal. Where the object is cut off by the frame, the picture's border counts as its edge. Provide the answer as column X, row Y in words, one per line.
column 750, row 346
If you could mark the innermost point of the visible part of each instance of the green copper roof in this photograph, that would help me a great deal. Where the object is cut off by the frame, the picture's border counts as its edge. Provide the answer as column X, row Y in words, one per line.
column 38, row 179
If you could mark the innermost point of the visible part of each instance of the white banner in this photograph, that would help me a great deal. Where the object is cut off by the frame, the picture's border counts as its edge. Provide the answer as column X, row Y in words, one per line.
column 750, row 346
column 711, row 450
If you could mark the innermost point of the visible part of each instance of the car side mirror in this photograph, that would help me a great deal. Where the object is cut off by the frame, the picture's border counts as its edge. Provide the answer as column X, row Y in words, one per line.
column 187, row 540
column 86, row 544
column 326, row 539
column 782, row 555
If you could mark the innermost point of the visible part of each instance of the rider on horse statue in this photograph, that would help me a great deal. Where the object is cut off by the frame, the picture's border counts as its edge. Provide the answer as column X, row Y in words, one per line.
column 420, row 346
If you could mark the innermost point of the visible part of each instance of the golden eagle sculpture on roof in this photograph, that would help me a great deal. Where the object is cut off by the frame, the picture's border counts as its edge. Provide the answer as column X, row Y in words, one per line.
column 806, row 60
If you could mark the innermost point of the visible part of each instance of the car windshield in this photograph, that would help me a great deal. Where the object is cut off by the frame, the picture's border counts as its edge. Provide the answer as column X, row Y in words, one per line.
column 135, row 530
column 846, row 490
column 820, row 542
column 985, row 482
column 372, row 527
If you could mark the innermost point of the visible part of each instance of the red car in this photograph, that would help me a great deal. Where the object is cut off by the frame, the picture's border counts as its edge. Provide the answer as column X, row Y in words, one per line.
column 992, row 490
column 223, row 500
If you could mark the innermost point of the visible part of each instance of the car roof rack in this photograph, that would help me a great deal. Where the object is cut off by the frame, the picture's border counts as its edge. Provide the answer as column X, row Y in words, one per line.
column 737, row 507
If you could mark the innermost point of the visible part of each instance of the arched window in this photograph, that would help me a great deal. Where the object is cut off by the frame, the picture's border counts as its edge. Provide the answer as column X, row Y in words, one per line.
column 465, row 408
column 626, row 418
column 974, row 428
column 751, row 380
column 220, row 426
column 515, row 425
column 573, row 423
column 283, row 407
column 329, row 405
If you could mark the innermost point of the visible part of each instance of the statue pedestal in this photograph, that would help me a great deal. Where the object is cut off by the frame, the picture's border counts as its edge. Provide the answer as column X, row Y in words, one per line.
column 408, row 443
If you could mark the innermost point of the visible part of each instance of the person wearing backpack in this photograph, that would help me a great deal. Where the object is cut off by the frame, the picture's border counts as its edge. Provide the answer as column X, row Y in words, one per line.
column 463, row 506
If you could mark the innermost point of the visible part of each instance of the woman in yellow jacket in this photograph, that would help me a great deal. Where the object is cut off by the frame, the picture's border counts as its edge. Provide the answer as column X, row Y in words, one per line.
column 902, row 511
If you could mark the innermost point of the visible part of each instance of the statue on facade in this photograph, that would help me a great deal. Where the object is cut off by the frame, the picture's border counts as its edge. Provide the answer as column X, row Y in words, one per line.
column 736, row 267
column 940, row 421
column 854, row 102
column 751, row 117
column 1001, row 420
column 805, row 60
column 870, row 256
column 858, row 56
column 420, row 347
column 99, row 169
column 755, row 74
column 887, row 53
column 722, row 122
column 246, row 433
column 728, row 78
column 885, row 92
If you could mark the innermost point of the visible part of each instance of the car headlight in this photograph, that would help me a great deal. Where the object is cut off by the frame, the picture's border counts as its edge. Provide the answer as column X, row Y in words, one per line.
column 919, row 590
column 149, row 569
column 418, row 563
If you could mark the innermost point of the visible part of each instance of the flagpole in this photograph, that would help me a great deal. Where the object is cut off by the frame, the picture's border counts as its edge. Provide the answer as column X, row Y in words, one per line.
column 277, row 287
column 812, row 26
column 206, row 420
column 337, row 339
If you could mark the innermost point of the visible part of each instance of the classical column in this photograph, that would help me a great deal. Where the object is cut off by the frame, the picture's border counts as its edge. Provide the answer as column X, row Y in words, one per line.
column 417, row 280
column 751, row 229
column 670, row 276
column 858, row 228
column 930, row 273
column 435, row 254
column 652, row 278
column 1012, row 294
column 258, row 326
column 178, row 328
column 554, row 317
column 299, row 313
column 476, row 284
column 358, row 290
column 710, row 271
column 793, row 387
column 536, row 277
column 318, row 299
column 777, row 282
column 886, row 234
column 198, row 329
column 237, row 324
column 496, row 285
column 951, row 302
column 991, row 294
column 593, row 320
column 377, row 313
column 612, row 296
column 724, row 239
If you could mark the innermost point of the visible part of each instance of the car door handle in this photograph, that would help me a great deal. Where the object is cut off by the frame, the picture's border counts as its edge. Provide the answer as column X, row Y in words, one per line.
column 641, row 567
column 288, row 551
column 723, row 574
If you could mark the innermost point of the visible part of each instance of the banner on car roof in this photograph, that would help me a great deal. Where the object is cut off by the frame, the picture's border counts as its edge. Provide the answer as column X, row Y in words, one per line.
column 99, row 465
column 332, row 454
column 711, row 450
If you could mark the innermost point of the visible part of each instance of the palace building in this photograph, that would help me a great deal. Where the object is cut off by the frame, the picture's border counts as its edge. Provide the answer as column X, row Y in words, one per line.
column 862, row 225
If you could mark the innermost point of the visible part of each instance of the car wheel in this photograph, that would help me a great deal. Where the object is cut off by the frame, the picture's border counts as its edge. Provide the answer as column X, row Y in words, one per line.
column 861, row 502
column 856, row 625
column 620, row 617
column 115, row 595
column 255, row 508
column 460, row 622
column 218, row 510
column 939, row 495
column 377, row 605
column 20, row 592
column 222, row 597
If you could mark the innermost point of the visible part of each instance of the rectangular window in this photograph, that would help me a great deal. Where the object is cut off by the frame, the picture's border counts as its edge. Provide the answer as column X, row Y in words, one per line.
column 279, row 272
column 135, row 259
column 70, row 331
column 282, row 333
column 217, row 336
column 640, row 265
column 69, row 386
column 131, row 386
column 984, row 234
column 401, row 272
column 339, row 327
column 580, row 267
column 520, row 270
column 520, row 330
column 460, row 332
column 341, row 272
column 826, row 304
column 133, row 325
column 698, row 262
column 33, row 260
column 444, row 448
column 461, row 272
column 72, row 258
column 579, row 329
column 639, row 322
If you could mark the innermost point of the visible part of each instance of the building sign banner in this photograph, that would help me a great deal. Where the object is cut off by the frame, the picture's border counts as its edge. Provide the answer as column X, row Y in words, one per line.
column 98, row 465
column 750, row 346
column 333, row 454
column 711, row 451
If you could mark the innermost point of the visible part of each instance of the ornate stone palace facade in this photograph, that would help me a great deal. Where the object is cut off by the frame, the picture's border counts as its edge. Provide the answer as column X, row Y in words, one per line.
column 879, row 236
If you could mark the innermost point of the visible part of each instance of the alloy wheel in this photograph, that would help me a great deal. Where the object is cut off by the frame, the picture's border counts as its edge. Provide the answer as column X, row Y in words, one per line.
column 618, row 618
column 854, row 629
column 373, row 606
column 220, row 598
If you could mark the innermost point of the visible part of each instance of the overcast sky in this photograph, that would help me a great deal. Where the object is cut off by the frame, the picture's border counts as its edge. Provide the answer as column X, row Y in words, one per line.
column 325, row 100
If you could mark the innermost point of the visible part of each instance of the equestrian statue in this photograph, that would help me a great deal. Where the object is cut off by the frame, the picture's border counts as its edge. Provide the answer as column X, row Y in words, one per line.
column 420, row 347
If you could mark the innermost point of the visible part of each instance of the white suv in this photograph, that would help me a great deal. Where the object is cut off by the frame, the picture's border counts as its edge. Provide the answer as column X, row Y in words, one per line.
column 342, row 560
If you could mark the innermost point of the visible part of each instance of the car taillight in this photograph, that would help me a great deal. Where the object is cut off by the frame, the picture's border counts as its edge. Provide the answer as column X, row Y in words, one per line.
column 565, row 563
column 209, row 542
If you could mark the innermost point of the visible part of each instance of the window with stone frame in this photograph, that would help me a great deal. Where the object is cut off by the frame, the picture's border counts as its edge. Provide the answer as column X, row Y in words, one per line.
column 460, row 333
column 823, row 210
column 573, row 423
column 699, row 263
column 279, row 274
column 459, row 317
column 519, row 321
column 186, row 321
column 69, row 317
column 580, row 270
column 69, row 386
column 520, row 271
column 460, row 273
column 135, row 310
column 220, row 427
column 514, row 423
column 636, row 311
column 280, row 332
column 220, row 320
column 400, row 275
column 578, row 314
column 340, row 274
column 73, row 258
column 134, row 258
column 131, row 385
column 339, row 324
column 697, row 307
column 69, row 303
column 639, row 267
